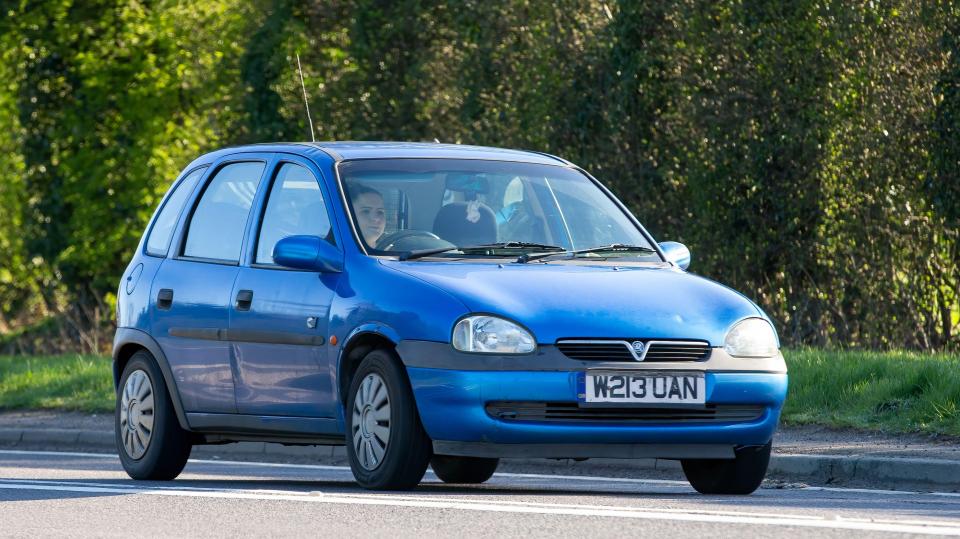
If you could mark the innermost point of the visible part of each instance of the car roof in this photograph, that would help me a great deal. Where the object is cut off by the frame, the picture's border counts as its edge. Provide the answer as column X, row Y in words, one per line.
column 349, row 150
column 380, row 150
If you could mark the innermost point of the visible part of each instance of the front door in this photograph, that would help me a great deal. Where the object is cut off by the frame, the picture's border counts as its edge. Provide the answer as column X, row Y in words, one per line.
column 278, row 316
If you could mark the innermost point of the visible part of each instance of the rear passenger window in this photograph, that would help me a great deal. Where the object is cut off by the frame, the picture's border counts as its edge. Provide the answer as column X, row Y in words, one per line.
column 216, row 228
column 295, row 208
column 159, row 240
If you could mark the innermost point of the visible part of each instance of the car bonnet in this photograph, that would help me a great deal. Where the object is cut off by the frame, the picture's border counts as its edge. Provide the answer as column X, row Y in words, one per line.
column 558, row 301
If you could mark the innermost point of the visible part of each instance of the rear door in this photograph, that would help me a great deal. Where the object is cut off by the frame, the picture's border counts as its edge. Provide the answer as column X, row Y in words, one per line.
column 190, row 295
column 278, row 316
column 134, row 291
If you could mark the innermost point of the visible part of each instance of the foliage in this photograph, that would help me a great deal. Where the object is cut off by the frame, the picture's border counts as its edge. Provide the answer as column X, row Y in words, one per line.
column 112, row 98
column 807, row 152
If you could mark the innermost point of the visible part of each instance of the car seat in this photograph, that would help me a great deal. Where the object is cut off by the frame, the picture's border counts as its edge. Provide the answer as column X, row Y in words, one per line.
column 452, row 224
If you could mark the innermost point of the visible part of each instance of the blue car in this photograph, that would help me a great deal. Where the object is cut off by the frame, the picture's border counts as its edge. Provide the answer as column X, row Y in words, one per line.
column 430, row 304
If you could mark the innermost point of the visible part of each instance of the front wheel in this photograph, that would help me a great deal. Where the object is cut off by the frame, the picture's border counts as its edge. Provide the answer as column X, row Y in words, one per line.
column 386, row 444
column 469, row 470
column 740, row 475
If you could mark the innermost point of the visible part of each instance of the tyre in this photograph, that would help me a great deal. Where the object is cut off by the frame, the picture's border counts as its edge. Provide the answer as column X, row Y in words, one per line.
column 740, row 475
column 470, row 470
column 386, row 444
column 150, row 442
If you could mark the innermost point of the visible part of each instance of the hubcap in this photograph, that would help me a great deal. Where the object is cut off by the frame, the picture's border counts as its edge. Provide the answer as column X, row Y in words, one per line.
column 371, row 421
column 136, row 414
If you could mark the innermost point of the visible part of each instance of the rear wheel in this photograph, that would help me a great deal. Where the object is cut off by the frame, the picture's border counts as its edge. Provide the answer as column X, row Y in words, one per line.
column 740, row 475
column 150, row 442
column 472, row 470
column 386, row 444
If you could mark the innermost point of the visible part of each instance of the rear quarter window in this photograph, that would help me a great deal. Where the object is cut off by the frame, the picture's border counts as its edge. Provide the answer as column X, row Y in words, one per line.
column 158, row 242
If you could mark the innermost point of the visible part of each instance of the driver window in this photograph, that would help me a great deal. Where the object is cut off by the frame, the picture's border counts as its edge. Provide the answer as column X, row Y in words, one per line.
column 295, row 207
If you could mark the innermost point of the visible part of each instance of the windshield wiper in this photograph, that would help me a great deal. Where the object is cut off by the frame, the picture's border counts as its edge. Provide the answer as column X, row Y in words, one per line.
column 614, row 247
column 412, row 255
column 513, row 245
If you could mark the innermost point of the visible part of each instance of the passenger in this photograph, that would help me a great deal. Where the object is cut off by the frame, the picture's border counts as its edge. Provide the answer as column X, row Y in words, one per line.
column 371, row 215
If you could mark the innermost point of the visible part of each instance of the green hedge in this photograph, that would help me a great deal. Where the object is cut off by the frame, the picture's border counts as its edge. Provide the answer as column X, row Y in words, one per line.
column 808, row 152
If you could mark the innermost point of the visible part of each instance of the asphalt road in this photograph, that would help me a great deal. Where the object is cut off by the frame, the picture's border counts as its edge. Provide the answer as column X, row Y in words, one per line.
column 81, row 494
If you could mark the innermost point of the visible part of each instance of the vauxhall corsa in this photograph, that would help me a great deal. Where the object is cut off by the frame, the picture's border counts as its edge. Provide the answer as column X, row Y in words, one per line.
column 431, row 304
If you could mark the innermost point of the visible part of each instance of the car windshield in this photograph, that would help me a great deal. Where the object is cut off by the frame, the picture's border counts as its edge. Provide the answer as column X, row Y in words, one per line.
column 487, row 208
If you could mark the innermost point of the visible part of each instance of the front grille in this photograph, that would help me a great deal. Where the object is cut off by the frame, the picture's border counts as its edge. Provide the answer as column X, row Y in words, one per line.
column 617, row 350
column 677, row 351
column 597, row 350
column 570, row 412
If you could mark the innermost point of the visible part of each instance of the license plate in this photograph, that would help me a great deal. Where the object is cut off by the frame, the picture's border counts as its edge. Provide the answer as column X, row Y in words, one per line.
column 643, row 387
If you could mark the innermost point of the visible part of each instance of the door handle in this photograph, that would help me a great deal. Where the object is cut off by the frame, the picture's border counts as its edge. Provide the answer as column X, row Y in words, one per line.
column 165, row 299
column 244, row 299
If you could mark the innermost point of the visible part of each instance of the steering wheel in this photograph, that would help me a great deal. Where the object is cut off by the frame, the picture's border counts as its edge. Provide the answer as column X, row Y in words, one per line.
column 409, row 240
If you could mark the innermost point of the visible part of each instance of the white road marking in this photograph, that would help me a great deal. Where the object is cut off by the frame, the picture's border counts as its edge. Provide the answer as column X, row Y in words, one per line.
column 585, row 478
column 58, row 454
column 133, row 488
column 832, row 522
column 390, row 496
column 879, row 491
column 347, row 468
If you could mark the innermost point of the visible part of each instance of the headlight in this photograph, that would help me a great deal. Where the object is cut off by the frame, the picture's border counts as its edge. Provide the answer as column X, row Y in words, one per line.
column 491, row 335
column 753, row 337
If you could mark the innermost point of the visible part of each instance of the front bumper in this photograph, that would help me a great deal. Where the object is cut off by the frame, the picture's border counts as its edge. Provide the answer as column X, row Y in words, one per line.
column 452, row 405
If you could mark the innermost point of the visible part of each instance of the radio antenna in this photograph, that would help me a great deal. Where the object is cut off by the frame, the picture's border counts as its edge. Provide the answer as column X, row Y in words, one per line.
column 313, row 138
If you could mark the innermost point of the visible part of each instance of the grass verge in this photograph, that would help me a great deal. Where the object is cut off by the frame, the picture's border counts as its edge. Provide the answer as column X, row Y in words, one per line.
column 67, row 382
column 885, row 391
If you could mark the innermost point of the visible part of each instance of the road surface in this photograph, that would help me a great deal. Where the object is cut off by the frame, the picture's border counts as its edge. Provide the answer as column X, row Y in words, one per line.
column 76, row 494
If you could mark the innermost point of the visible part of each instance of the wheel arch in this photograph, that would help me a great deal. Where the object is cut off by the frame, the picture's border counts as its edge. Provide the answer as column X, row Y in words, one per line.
column 361, row 340
column 129, row 341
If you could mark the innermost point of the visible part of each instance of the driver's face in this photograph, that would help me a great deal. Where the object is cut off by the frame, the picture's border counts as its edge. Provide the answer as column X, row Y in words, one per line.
column 371, row 216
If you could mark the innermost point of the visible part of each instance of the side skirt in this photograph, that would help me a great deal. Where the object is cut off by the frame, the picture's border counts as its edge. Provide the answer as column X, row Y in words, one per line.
column 226, row 428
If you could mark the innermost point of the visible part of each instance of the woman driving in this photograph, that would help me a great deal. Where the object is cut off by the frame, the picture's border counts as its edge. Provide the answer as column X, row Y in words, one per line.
column 370, row 212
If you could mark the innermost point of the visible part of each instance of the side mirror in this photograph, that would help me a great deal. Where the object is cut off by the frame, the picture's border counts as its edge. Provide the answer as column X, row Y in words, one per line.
column 676, row 253
column 308, row 253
